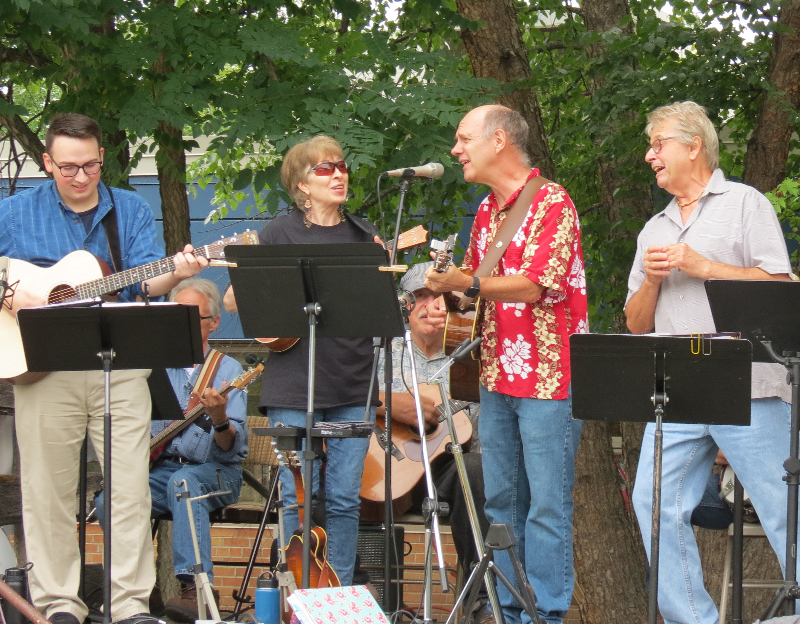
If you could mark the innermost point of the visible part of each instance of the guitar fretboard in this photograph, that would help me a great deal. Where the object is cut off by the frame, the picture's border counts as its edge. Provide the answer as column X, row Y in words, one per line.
column 123, row 279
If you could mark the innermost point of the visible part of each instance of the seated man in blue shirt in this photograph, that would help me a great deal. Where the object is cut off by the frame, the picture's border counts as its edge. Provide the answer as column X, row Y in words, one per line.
column 215, row 443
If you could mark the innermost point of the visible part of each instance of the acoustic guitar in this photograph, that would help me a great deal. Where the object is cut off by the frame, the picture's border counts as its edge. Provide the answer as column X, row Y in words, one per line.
column 462, row 323
column 410, row 238
column 159, row 441
column 80, row 275
column 407, row 467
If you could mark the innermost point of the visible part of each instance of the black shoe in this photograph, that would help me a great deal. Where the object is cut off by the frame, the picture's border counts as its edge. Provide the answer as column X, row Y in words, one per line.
column 139, row 618
column 63, row 617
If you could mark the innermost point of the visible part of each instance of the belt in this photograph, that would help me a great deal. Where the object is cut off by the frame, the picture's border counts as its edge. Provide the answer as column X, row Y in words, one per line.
column 177, row 459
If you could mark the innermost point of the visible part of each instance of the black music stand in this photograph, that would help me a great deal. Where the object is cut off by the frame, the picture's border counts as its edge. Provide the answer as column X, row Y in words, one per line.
column 769, row 319
column 92, row 335
column 323, row 290
column 660, row 379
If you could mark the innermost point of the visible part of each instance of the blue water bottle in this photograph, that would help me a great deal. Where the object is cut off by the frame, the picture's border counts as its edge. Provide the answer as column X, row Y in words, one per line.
column 268, row 599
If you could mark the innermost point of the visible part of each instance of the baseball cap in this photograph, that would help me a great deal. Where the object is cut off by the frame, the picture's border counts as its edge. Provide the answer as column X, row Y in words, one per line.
column 414, row 279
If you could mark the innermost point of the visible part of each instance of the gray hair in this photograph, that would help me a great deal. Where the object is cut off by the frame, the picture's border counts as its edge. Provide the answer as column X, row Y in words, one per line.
column 512, row 123
column 692, row 121
column 204, row 287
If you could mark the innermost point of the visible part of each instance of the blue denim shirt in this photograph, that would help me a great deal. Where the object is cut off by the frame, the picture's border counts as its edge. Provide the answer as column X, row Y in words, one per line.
column 36, row 226
column 194, row 443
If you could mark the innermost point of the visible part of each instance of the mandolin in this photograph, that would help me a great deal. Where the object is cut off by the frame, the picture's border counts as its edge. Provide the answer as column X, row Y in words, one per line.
column 320, row 573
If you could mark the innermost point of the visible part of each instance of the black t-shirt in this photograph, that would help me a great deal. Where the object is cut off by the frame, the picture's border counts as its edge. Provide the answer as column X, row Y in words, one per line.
column 343, row 365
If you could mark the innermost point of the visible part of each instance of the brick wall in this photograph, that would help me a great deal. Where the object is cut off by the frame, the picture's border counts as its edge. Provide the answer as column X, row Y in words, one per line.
column 231, row 544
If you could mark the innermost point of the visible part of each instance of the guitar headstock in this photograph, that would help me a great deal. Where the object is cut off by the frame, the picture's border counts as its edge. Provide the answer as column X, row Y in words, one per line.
column 216, row 250
column 247, row 377
column 444, row 253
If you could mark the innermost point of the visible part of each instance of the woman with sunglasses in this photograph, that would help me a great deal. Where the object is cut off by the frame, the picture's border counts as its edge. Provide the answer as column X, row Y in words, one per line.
column 315, row 174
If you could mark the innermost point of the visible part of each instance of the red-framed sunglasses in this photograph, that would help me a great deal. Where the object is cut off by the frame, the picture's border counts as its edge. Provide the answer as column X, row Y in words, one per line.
column 327, row 168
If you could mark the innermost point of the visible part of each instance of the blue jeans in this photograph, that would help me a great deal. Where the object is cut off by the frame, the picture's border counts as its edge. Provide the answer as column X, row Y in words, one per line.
column 345, row 465
column 165, row 483
column 529, row 450
column 756, row 453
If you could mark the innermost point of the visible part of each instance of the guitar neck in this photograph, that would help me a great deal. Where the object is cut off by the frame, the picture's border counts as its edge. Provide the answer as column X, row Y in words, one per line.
column 129, row 277
column 177, row 426
column 123, row 279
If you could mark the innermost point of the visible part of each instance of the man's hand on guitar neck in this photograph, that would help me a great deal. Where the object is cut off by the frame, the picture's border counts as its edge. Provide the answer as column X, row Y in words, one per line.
column 451, row 280
column 186, row 265
column 216, row 405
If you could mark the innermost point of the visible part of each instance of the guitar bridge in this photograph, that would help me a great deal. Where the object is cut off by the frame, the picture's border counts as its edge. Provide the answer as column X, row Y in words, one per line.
column 380, row 434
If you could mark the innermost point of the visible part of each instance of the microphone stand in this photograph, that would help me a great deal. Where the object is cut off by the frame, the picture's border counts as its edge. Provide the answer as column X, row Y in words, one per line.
column 463, row 350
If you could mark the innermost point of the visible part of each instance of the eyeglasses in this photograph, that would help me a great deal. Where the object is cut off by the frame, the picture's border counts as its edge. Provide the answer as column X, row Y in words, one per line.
column 326, row 168
column 70, row 171
column 205, row 318
column 658, row 144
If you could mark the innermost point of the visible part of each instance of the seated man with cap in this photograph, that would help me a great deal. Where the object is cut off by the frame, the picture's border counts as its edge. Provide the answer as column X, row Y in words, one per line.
column 427, row 322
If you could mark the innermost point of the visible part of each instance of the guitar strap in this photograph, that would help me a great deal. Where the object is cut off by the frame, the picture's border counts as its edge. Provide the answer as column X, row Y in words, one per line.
column 109, row 222
column 508, row 229
column 206, row 376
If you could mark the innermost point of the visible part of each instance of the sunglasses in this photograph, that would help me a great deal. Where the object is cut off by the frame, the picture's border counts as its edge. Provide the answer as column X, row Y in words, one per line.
column 327, row 168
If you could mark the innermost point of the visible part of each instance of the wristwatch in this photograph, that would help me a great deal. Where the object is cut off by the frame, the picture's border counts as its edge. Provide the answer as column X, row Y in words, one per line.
column 222, row 426
column 474, row 290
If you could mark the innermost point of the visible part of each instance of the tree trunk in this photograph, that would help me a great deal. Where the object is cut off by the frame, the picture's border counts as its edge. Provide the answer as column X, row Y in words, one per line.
column 19, row 131
column 171, row 164
column 768, row 147
column 610, row 563
column 498, row 51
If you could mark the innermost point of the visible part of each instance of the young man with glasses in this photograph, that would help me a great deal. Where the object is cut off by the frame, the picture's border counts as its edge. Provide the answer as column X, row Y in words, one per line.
column 712, row 228
column 41, row 226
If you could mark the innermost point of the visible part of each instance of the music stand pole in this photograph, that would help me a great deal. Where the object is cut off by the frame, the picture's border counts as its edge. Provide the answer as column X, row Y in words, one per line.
column 790, row 591
column 431, row 508
column 458, row 457
column 308, row 454
column 655, row 526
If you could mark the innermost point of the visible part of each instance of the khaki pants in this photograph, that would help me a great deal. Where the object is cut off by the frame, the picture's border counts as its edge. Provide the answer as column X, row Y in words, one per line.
column 52, row 417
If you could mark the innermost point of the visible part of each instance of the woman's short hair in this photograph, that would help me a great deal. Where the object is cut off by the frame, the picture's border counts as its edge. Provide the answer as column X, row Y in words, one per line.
column 692, row 121
column 204, row 287
column 301, row 158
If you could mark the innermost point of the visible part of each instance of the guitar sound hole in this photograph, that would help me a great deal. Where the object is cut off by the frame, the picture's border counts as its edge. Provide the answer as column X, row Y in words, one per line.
column 62, row 292
column 429, row 430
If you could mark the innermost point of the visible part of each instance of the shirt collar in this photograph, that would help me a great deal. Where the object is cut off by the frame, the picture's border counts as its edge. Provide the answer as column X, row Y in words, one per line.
column 717, row 185
column 534, row 172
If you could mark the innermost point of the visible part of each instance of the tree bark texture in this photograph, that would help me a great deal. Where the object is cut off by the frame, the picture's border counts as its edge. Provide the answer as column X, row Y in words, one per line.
column 768, row 147
column 498, row 51
column 171, row 165
column 20, row 132
column 610, row 564
column 621, row 196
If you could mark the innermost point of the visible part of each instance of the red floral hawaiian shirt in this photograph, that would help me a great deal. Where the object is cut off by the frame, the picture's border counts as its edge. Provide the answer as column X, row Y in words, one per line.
column 525, row 347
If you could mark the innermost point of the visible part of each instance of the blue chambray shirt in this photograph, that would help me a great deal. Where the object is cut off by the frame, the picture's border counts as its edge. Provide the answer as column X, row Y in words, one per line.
column 36, row 226
column 194, row 443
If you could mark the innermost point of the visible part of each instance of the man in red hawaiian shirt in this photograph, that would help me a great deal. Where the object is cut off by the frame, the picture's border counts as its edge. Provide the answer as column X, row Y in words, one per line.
column 535, row 299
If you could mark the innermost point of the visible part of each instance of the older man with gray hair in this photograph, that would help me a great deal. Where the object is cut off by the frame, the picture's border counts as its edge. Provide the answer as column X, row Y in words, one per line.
column 712, row 228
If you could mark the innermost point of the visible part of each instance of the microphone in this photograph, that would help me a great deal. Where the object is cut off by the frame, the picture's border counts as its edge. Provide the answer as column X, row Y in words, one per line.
column 431, row 170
